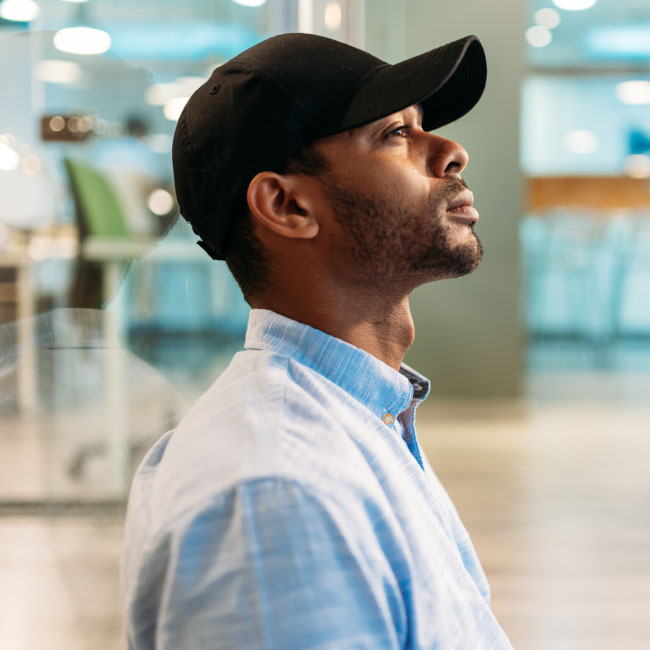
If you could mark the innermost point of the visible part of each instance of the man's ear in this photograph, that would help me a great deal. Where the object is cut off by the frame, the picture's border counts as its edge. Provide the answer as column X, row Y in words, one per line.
column 280, row 204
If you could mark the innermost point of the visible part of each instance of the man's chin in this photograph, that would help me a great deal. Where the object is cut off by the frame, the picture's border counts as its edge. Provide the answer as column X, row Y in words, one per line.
column 453, row 264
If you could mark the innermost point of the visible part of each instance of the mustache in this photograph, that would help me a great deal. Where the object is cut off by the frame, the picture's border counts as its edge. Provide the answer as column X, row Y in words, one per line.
column 452, row 186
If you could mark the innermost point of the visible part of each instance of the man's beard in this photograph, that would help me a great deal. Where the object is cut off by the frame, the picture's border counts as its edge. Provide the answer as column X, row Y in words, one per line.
column 390, row 240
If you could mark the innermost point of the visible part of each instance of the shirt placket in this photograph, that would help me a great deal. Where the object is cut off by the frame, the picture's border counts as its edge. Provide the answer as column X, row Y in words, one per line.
column 407, row 418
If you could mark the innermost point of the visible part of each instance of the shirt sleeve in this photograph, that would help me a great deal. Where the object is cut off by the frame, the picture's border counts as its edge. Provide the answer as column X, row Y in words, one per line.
column 271, row 565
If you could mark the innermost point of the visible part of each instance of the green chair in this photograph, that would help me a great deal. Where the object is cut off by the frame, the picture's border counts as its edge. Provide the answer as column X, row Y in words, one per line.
column 99, row 217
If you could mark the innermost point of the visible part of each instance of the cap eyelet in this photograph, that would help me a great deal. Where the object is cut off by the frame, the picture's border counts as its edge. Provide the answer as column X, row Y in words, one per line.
column 215, row 89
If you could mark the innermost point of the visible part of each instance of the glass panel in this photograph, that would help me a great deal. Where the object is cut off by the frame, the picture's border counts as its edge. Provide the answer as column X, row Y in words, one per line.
column 586, row 149
column 112, row 320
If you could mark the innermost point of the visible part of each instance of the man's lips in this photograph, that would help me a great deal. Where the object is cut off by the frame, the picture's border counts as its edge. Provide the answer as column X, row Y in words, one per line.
column 462, row 206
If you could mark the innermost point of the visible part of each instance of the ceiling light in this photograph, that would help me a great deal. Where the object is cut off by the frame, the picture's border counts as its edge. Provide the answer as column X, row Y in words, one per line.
column 57, row 124
column 23, row 11
column 574, row 5
column 638, row 166
column 250, row 3
column 548, row 18
column 31, row 165
column 190, row 84
column 333, row 16
column 80, row 37
column 160, row 202
column 581, row 142
column 9, row 159
column 538, row 36
column 82, row 40
column 159, row 94
column 8, row 138
column 174, row 107
column 633, row 92
column 55, row 71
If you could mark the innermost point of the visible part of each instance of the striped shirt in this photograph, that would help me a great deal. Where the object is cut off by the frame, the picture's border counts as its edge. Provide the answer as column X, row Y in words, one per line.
column 293, row 509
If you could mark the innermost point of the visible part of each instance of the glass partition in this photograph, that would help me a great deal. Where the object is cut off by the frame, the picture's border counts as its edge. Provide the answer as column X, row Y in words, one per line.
column 585, row 134
column 112, row 319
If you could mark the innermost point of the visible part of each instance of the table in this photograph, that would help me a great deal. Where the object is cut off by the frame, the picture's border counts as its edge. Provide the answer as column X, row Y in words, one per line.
column 22, row 263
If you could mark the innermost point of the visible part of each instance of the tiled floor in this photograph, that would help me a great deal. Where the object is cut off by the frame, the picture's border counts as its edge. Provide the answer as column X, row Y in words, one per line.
column 554, row 491
column 556, row 501
column 59, row 587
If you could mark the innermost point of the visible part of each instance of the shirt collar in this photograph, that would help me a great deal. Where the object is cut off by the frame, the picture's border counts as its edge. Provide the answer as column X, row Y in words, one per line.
column 374, row 384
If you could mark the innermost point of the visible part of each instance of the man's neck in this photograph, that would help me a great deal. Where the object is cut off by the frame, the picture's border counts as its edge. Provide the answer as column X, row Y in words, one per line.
column 378, row 325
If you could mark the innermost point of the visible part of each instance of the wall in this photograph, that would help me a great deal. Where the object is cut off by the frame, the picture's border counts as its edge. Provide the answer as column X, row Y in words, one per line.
column 468, row 332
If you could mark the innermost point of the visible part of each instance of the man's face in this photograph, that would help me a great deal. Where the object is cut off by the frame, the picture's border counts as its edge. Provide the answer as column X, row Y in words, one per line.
column 402, row 210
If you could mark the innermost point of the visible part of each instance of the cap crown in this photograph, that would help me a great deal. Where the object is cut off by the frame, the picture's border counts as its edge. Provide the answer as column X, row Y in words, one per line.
column 255, row 111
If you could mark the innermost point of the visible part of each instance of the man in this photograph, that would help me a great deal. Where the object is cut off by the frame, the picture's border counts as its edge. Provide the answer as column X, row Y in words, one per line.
column 292, row 507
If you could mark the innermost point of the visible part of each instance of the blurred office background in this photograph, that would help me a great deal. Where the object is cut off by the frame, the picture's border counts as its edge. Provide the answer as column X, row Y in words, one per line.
column 112, row 320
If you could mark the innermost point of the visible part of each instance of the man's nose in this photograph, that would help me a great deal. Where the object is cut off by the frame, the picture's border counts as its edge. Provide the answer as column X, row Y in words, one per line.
column 446, row 157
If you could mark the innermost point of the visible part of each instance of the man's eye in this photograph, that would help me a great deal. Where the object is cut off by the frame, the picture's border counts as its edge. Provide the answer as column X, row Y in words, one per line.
column 400, row 132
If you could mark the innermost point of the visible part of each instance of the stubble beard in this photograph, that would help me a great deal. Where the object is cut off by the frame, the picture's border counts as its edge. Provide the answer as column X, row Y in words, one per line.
column 389, row 240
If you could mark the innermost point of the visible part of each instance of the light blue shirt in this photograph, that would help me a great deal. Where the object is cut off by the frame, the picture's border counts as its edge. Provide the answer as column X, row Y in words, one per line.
column 293, row 509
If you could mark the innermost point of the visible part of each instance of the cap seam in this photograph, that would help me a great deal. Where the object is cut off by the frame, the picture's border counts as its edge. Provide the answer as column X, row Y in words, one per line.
column 357, row 86
column 299, row 100
column 187, row 135
column 270, row 77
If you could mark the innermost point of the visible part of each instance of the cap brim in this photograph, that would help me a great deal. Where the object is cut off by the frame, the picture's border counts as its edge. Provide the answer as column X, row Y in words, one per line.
column 447, row 82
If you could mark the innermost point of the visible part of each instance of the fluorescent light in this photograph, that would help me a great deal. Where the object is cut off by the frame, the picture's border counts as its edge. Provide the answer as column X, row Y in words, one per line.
column 620, row 42
column 574, row 5
column 633, row 92
column 174, row 107
column 581, row 142
column 23, row 11
column 9, row 159
column 548, row 18
column 538, row 36
column 306, row 16
column 82, row 40
column 55, row 71
column 250, row 3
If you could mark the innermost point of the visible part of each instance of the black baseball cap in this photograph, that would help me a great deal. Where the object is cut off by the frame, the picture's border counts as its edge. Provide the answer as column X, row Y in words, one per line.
column 268, row 102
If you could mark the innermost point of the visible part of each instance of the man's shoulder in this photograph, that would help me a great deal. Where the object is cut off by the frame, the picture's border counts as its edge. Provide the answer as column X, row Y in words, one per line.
column 262, row 390
column 266, row 417
column 269, row 391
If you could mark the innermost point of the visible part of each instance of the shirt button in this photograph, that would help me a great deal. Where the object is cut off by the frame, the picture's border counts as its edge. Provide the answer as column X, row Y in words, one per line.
column 388, row 419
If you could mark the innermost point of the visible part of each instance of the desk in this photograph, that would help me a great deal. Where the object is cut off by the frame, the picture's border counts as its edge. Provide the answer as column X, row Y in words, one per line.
column 21, row 262
column 112, row 253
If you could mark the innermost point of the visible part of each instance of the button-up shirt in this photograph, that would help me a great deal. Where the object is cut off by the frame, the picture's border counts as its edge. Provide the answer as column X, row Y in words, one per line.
column 293, row 509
